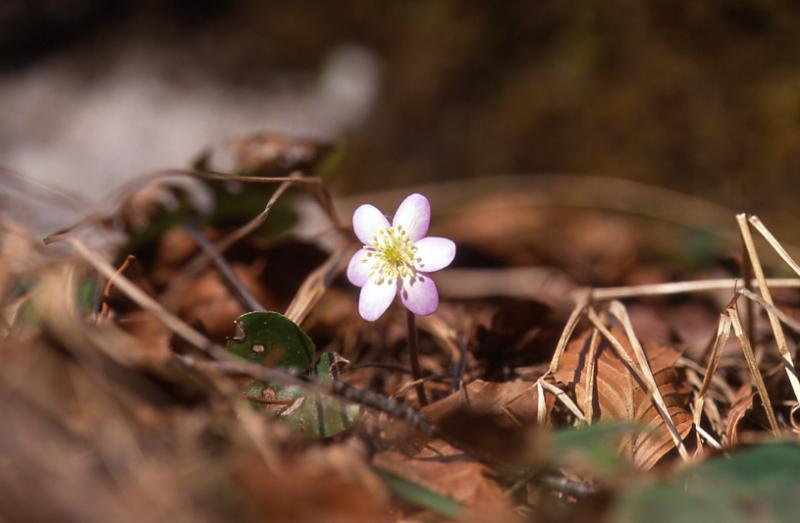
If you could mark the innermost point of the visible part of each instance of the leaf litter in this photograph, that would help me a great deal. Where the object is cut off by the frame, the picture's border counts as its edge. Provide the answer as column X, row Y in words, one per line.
column 207, row 364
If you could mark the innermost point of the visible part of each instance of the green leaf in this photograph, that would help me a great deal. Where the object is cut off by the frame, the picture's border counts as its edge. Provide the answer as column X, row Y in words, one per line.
column 318, row 415
column 419, row 495
column 273, row 338
column 761, row 484
column 596, row 445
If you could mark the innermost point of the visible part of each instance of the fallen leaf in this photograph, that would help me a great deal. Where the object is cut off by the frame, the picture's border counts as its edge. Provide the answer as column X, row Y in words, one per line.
column 618, row 396
column 742, row 403
column 494, row 420
column 450, row 472
column 265, row 154
column 209, row 302
column 150, row 331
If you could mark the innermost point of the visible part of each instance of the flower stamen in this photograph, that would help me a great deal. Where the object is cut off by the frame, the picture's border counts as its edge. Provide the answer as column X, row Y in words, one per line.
column 391, row 255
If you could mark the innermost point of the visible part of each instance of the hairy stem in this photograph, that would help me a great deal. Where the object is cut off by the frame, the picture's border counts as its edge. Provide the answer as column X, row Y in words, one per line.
column 414, row 356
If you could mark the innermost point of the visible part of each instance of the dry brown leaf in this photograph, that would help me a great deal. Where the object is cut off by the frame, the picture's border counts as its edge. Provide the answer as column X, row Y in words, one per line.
column 511, row 403
column 494, row 421
column 331, row 483
column 742, row 403
column 450, row 472
column 264, row 153
column 618, row 396
column 150, row 331
column 209, row 302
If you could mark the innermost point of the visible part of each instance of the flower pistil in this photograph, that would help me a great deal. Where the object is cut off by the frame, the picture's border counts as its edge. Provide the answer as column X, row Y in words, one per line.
column 391, row 256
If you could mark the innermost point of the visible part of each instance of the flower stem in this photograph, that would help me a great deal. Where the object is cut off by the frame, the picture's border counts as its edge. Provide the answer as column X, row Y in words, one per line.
column 414, row 356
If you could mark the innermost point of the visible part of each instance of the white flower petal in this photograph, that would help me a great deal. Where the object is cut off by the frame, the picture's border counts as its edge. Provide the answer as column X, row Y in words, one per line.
column 414, row 214
column 420, row 296
column 358, row 270
column 367, row 221
column 375, row 299
column 434, row 253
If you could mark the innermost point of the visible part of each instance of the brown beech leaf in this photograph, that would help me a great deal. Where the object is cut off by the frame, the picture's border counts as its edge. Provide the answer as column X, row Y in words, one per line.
column 209, row 302
column 265, row 154
column 494, row 420
column 742, row 403
column 153, row 336
column 452, row 473
column 512, row 403
column 617, row 395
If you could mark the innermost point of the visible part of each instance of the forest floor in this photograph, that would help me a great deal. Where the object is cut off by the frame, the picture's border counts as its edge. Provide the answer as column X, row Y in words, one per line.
column 602, row 351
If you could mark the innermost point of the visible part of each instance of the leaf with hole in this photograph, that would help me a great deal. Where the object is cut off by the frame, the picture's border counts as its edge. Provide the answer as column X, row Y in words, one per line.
column 318, row 415
column 272, row 338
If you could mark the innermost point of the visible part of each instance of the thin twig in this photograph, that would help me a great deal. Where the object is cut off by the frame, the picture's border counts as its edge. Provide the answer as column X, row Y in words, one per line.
column 143, row 180
column 565, row 399
column 229, row 364
column 591, row 375
column 747, row 276
column 775, row 324
column 774, row 243
column 786, row 319
column 752, row 365
column 580, row 306
column 723, row 333
column 234, row 284
column 199, row 262
column 413, row 354
column 684, row 287
column 314, row 286
column 618, row 310
column 103, row 312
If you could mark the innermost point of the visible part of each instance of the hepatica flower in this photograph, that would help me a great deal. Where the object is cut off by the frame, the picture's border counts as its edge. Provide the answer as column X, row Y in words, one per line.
column 397, row 258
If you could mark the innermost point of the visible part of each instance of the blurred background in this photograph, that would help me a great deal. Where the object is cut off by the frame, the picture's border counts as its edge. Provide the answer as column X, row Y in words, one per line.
column 701, row 97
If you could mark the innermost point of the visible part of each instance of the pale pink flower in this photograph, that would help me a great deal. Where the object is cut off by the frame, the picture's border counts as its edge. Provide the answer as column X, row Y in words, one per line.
column 396, row 259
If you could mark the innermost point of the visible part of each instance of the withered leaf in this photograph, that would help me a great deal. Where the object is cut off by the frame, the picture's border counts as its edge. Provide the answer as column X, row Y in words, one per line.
column 742, row 403
column 493, row 420
column 264, row 154
column 618, row 396
column 512, row 403
column 450, row 472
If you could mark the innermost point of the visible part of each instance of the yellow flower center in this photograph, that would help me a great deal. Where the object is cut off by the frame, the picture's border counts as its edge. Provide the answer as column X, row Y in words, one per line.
column 391, row 255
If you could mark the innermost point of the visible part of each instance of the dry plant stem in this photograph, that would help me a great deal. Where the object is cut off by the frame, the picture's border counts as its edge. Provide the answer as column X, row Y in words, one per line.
column 261, row 217
column 787, row 320
column 110, row 284
column 365, row 398
column 229, row 364
column 541, row 405
column 171, row 295
column 747, row 276
column 326, row 202
column 777, row 329
column 646, row 381
column 413, row 354
column 315, row 285
column 234, row 284
column 564, row 398
column 581, row 303
column 591, row 373
column 752, row 365
column 171, row 321
column 619, row 311
column 774, row 243
column 723, row 386
column 684, row 287
column 56, row 195
column 723, row 333
column 143, row 180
